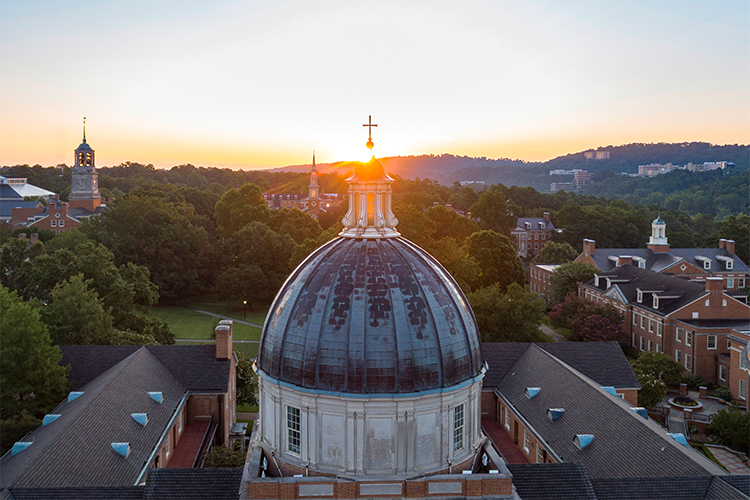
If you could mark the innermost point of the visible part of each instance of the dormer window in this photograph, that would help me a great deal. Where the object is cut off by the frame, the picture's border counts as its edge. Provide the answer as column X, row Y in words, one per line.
column 640, row 297
column 706, row 264
column 528, row 225
column 730, row 264
column 541, row 225
column 656, row 302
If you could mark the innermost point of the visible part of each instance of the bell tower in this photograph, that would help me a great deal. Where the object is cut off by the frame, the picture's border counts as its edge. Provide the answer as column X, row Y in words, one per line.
column 84, row 191
column 658, row 240
column 313, row 192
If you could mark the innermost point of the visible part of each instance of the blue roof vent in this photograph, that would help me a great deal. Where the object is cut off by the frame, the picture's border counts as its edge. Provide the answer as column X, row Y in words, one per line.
column 156, row 396
column 141, row 418
column 20, row 446
column 122, row 448
column 582, row 440
column 49, row 418
column 555, row 413
column 74, row 395
column 640, row 411
column 532, row 391
column 610, row 389
column 680, row 438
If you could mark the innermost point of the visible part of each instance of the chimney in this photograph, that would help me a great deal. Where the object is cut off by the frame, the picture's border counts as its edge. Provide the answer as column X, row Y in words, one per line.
column 589, row 246
column 22, row 236
column 624, row 259
column 723, row 243
column 714, row 284
column 224, row 340
column 34, row 238
column 730, row 246
column 546, row 216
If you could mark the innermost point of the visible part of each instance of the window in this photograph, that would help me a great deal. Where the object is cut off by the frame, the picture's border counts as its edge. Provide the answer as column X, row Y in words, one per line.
column 650, row 345
column 507, row 418
column 678, row 335
column 458, row 427
column 730, row 282
column 743, row 389
column 293, row 429
column 634, row 344
column 711, row 342
column 689, row 339
column 640, row 296
column 643, row 322
column 62, row 223
column 740, row 282
column 708, row 303
column 643, row 343
column 729, row 343
column 658, row 347
column 730, row 264
column 526, row 441
column 539, row 454
column 723, row 373
column 688, row 362
column 706, row 264
column 635, row 319
column 659, row 329
column 53, row 223
column 651, row 326
column 678, row 356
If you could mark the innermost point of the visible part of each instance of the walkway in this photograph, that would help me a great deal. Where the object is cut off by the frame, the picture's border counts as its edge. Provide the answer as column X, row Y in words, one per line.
column 503, row 443
column 212, row 341
column 224, row 317
column 734, row 461
column 552, row 333
column 189, row 446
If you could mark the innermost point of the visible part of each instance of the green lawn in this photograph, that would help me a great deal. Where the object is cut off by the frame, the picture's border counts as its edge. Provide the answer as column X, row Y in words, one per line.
column 188, row 324
column 249, row 350
column 230, row 308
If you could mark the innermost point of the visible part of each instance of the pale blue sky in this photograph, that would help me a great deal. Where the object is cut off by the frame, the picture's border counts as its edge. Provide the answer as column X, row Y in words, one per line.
column 263, row 83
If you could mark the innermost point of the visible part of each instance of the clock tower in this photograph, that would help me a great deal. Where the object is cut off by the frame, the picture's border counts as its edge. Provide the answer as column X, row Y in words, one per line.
column 313, row 192
column 84, row 192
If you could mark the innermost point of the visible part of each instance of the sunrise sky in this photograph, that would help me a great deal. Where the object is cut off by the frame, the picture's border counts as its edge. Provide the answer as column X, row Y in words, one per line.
column 263, row 83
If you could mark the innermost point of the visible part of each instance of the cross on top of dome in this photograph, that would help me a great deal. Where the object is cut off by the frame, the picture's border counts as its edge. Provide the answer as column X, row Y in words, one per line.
column 369, row 124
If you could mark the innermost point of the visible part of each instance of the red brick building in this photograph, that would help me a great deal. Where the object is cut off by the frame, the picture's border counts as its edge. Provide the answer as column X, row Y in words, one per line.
column 531, row 233
column 540, row 276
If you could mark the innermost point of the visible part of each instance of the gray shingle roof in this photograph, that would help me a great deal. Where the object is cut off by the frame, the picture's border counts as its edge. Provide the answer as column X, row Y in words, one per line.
column 659, row 261
column 667, row 488
column 603, row 362
column 624, row 444
column 193, row 484
column 75, row 449
column 561, row 481
column 629, row 279
column 535, row 224
column 100, row 493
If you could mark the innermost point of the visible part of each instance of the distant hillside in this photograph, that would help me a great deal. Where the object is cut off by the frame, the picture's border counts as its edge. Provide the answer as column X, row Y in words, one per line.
column 448, row 168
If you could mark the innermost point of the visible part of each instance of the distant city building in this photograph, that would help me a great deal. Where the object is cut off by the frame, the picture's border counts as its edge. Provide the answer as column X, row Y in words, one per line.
column 582, row 178
column 707, row 166
column 561, row 186
column 562, row 171
column 596, row 155
column 655, row 169
column 531, row 233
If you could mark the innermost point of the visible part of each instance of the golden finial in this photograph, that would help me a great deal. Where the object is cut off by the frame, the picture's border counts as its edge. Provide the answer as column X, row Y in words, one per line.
column 369, row 124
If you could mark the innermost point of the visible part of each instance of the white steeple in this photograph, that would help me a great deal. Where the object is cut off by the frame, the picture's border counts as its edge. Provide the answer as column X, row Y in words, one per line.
column 658, row 232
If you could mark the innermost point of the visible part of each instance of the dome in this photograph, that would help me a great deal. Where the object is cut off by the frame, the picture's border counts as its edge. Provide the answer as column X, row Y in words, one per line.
column 370, row 316
column 83, row 147
column 658, row 220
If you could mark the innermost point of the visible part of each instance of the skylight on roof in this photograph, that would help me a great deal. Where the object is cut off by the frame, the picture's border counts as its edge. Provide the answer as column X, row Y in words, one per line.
column 49, row 418
column 680, row 438
column 640, row 411
column 141, row 418
column 583, row 440
column 20, row 446
column 122, row 448
column 156, row 396
column 532, row 391
column 609, row 389
column 555, row 413
column 74, row 395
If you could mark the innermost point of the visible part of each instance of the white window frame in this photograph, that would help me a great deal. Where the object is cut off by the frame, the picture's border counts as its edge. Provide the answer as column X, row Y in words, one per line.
column 53, row 223
column 526, row 440
column 643, row 343
column 730, row 282
column 635, row 318
column 678, row 335
column 507, row 418
column 743, row 390
column 539, row 454
column 293, row 430
column 651, row 326
column 659, row 329
column 458, row 427
column 740, row 282
column 688, row 362
column 688, row 338
column 658, row 348
column 678, row 356
column 635, row 342
column 643, row 322
column 640, row 297
column 711, row 342
column 650, row 345
column 723, row 373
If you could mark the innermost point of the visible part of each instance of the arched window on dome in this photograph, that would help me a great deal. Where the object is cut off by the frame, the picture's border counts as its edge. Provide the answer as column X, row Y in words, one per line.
column 370, row 209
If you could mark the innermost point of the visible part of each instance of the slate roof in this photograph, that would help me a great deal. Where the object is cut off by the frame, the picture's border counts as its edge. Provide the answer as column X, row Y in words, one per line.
column 6, row 207
column 742, row 325
column 75, row 449
column 195, row 484
column 561, row 481
column 7, row 192
column 535, row 224
column 77, row 493
column 603, row 362
column 624, row 445
column 626, row 280
column 659, row 261
column 194, row 366
column 667, row 488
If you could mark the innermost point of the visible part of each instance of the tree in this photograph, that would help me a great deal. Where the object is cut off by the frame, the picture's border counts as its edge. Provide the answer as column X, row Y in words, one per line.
column 738, row 229
column 513, row 316
column 31, row 379
column 660, row 366
column 76, row 315
column 652, row 390
column 238, row 207
column 13, row 429
column 555, row 253
column 731, row 428
column 575, row 311
column 497, row 258
column 598, row 328
column 495, row 212
column 415, row 225
column 565, row 279
column 221, row 456
column 295, row 223
column 246, row 382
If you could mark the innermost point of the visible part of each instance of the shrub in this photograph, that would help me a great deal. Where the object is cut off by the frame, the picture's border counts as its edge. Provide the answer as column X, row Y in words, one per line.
column 721, row 392
column 693, row 381
column 731, row 428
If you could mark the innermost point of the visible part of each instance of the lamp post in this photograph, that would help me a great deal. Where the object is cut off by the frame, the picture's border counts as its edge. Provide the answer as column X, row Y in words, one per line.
column 244, row 302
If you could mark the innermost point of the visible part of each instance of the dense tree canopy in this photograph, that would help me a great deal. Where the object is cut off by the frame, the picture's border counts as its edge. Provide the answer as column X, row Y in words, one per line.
column 497, row 258
column 565, row 279
column 495, row 212
column 555, row 253
column 513, row 316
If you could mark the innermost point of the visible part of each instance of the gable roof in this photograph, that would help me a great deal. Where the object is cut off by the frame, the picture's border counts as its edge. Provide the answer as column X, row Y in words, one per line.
column 76, row 449
column 628, row 279
column 535, row 223
column 561, row 481
column 603, row 362
column 194, row 366
column 624, row 445
column 660, row 261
